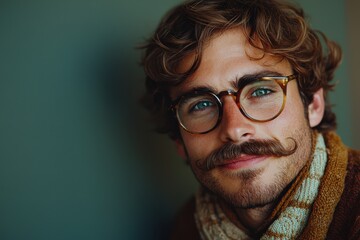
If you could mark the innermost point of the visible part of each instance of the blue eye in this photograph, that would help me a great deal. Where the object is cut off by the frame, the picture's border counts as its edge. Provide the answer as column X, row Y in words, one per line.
column 260, row 92
column 202, row 105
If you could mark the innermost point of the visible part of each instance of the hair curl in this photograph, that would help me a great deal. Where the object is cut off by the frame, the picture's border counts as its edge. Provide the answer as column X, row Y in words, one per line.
column 279, row 27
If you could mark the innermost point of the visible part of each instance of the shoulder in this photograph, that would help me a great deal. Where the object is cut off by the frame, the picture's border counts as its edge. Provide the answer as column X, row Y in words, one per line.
column 352, row 181
column 354, row 159
column 346, row 219
column 185, row 226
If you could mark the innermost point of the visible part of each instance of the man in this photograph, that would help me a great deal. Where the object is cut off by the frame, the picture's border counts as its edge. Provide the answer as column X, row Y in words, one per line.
column 241, row 86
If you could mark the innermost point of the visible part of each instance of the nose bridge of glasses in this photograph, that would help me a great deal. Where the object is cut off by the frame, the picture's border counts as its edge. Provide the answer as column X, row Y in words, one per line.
column 229, row 93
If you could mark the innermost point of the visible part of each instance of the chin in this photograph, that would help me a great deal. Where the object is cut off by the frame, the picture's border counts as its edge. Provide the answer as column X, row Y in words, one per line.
column 248, row 189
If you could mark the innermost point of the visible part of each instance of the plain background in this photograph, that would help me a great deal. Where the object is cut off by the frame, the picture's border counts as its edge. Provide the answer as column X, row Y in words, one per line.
column 78, row 159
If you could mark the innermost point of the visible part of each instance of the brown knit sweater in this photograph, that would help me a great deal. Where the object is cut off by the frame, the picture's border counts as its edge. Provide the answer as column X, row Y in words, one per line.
column 345, row 222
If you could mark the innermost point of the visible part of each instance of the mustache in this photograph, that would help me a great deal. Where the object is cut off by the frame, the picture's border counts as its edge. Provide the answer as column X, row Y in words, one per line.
column 228, row 151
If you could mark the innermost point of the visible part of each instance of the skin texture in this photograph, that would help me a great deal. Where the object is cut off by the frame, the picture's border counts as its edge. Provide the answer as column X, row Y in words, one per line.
column 248, row 184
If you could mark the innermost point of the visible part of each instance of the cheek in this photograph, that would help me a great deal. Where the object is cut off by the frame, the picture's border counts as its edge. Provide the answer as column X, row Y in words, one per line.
column 294, row 106
column 292, row 117
column 198, row 146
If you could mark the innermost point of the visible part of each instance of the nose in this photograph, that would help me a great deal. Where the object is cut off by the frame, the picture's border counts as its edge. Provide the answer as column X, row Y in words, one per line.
column 234, row 126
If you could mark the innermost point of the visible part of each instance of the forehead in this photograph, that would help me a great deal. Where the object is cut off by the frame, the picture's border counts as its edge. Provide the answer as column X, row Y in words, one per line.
column 227, row 57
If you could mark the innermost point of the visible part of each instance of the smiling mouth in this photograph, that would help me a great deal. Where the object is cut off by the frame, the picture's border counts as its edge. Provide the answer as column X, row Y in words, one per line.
column 242, row 162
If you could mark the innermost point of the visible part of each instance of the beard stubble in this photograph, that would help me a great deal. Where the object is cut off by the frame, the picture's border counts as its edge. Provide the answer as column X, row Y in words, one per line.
column 250, row 190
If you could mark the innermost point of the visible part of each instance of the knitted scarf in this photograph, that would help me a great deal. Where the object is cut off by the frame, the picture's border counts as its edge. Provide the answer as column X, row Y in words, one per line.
column 299, row 213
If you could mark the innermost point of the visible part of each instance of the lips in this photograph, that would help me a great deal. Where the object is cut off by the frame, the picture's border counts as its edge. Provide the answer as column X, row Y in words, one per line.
column 244, row 161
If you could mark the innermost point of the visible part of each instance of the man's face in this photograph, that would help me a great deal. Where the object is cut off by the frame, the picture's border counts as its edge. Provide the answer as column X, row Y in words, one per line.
column 245, row 180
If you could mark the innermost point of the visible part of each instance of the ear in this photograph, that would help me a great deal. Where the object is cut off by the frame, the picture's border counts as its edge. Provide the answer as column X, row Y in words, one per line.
column 180, row 148
column 316, row 108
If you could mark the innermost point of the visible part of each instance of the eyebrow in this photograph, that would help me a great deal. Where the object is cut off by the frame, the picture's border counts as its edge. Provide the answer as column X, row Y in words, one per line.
column 237, row 83
column 249, row 78
column 204, row 88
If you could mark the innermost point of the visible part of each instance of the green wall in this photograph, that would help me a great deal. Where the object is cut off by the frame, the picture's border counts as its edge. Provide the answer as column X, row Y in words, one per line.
column 77, row 157
column 329, row 17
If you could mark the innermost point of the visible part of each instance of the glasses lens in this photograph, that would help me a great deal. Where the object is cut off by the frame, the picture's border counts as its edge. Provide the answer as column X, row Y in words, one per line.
column 198, row 113
column 262, row 100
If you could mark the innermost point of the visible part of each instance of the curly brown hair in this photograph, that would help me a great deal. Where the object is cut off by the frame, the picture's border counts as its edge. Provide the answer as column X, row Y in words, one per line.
column 279, row 27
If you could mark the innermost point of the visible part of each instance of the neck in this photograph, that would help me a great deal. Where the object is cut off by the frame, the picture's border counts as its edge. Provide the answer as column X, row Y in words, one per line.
column 252, row 220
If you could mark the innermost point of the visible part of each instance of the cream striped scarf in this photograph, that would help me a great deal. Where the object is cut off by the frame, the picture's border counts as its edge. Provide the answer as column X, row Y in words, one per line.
column 212, row 223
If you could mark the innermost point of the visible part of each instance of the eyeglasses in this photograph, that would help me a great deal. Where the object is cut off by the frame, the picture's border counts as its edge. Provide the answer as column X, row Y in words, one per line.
column 259, row 99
